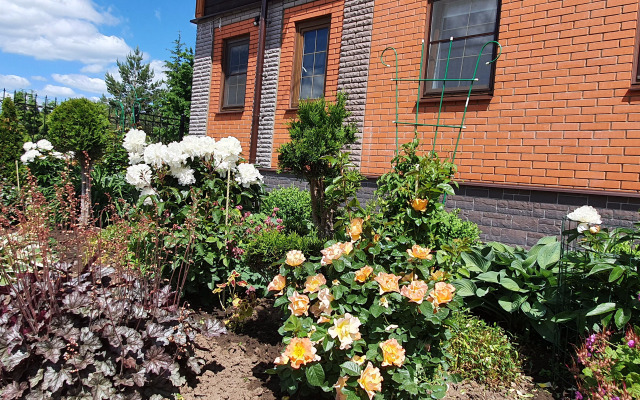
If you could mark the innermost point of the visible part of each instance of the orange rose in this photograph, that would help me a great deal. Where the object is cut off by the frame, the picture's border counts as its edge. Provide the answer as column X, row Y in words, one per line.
column 295, row 258
column 387, row 282
column 419, row 204
column 313, row 283
column 441, row 294
column 371, row 380
column 392, row 353
column 331, row 253
column 355, row 229
column 347, row 247
column 439, row 275
column 277, row 284
column 363, row 273
column 415, row 291
column 299, row 304
column 299, row 351
column 423, row 253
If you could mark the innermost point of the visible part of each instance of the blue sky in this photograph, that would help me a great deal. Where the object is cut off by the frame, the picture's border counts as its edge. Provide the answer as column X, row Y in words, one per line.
column 63, row 48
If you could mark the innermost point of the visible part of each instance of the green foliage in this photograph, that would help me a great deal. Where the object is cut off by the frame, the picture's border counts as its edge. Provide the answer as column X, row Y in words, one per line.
column 482, row 353
column 447, row 226
column 318, row 134
column 294, row 207
column 11, row 139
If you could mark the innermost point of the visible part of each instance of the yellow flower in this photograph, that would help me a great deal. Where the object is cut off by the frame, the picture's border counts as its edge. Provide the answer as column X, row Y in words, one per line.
column 313, row 283
column 384, row 302
column 419, row 204
column 371, row 380
column 295, row 258
column 363, row 273
column 415, row 291
column 359, row 359
column 299, row 351
column 439, row 275
column 441, row 294
column 347, row 247
column 423, row 253
column 355, row 229
column 277, row 284
column 324, row 300
column 346, row 329
column 299, row 304
column 392, row 353
column 342, row 382
column 387, row 282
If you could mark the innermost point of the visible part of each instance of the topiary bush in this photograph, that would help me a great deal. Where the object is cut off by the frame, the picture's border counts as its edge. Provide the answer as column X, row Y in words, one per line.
column 294, row 208
column 448, row 226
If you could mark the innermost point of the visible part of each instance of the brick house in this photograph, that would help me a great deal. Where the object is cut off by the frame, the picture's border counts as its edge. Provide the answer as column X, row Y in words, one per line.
column 553, row 124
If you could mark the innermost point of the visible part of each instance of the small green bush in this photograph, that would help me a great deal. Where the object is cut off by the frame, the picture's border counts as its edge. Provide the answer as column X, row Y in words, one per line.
column 294, row 207
column 447, row 226
column 482, row 353
column 272, row 246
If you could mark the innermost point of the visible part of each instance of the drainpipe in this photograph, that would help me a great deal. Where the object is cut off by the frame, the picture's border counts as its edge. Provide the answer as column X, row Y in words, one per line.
column 257, row 91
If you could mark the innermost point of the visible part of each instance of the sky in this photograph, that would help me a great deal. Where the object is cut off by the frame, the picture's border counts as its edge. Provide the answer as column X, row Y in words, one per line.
column 63, row 48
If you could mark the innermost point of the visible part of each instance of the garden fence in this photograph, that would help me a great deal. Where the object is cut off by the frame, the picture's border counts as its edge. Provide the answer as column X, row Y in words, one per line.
column 32, row 112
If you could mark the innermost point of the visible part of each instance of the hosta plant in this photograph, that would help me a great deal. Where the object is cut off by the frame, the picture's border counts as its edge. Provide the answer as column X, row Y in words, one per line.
column 366, row 320
column 94, row 334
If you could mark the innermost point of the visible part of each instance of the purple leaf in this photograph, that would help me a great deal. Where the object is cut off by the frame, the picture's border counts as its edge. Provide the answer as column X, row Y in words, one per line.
column 12, row 359
column 14, row 390
column 131, row 339
column 156, row 360
column 54, row 380
column 101, row 387
column 212, row 327
column 51, row 349
column 195, row 364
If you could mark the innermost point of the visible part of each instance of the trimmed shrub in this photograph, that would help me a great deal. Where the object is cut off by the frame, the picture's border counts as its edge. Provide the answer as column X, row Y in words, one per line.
column 294, row 207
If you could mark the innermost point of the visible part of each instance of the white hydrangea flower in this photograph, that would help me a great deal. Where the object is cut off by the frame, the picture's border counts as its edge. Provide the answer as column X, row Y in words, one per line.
column 175, row 156
column 147, row 192
column 44, row 144
column 134, row 141
column 226, row 154
column 207, row 147
column 139, row 176
column 155, row 154
column 248, row 175
column 196, row 146
column 184, row 175
column 29, row 146
column 29, row 156
column 135, row 158
column 586, row 216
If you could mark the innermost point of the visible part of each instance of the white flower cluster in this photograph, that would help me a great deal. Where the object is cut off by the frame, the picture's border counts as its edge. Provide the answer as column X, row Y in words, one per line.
column 586, row 216
column 41, row 150
column 175, row 156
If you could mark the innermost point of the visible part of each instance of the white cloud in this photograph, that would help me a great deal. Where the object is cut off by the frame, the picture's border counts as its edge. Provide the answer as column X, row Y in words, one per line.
column 39, row 78
column 157, row 14
column 157, row 66
column 59, row 30
column 13, row 82
column 92, row 69
column 57, row 91
column 82, row 82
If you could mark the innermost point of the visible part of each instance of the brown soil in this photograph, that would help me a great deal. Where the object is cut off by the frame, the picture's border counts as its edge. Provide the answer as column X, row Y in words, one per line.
column 237, row 363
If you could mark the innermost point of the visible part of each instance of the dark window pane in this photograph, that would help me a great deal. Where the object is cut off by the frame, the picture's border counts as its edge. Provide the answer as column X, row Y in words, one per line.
column 320, row 63
column 309, row 42
column 237, row 57
column 307, row 64
column 305, row 88
column 322, row 39
column 318, row 87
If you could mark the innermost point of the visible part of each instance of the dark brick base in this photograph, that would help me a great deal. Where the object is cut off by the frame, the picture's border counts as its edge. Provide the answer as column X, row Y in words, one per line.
column 512, row 216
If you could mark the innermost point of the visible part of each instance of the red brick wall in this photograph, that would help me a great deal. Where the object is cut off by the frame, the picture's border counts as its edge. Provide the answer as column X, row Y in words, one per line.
column 237, row 123
column 562, row 114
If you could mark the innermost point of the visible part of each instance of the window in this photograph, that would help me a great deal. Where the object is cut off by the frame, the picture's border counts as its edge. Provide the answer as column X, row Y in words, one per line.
column 310, row 67
column 471, row 24
column 235, row 72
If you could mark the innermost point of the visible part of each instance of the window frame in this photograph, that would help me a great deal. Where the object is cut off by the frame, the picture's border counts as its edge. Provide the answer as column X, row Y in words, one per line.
column 457, row 93
column 635, row 72
column 227, row 43
column 296, row 75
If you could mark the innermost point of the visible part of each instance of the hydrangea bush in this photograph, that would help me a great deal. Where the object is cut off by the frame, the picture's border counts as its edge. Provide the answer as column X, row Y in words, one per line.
column 365, row 320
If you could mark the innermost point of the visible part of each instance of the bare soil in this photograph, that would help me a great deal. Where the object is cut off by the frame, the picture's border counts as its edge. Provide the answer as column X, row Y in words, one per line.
column 236, row 366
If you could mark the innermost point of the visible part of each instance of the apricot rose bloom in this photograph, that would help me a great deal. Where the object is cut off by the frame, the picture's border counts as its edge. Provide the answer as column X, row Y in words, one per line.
column 419, row 204
column 313, row 283
column 441, row 294
column 363, row 273
column 331, row 253
column 392, row 353
column 299, row 351
column 387, row 282
column 324, row 300
column 415, row 291
column 295, row 258
column 371, row 380
column 355, row 229
column 346, row 329
column 299, row 304
column 423, row 253
column 277, row 284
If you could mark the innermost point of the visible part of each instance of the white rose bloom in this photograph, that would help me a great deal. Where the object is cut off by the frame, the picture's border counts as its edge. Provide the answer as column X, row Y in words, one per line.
column 208, row 147
column 29, row 156
column 248, row 175
column 155, row 154
column 184, row 175
column 134, row 141
column 136, row 158
column 175, row 156
column 147, row 192
column 58, row 155
column 44, row 144
column 139, row 176
column 29, row 146
column 586, row 216
column 226, row 154
column 196, row 146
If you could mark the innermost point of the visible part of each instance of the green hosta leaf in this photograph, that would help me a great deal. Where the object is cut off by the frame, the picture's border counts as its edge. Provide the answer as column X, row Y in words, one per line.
column 535, row 311
column 475, row 262
column 601, row 309
column 548, row 255
column 616, row 273
column 512, row 285
column 622, row 316
column 350, row 368
column 464, row 287
column 315, row 375
column 599, row 268
column 482, row 291
column 511, row 303
column 564, row 316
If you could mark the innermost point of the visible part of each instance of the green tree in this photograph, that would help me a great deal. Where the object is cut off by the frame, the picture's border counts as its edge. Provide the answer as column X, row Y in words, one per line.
column 135, row 86
column 81, row 126
column 11, row 139
column 317, row 136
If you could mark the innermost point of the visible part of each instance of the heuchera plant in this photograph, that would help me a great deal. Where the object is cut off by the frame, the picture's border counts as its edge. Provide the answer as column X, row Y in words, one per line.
column 365, row 320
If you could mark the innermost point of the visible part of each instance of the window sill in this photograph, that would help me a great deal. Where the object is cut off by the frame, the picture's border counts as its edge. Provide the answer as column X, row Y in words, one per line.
column 635, row 86
column 455, row 96
column 234, row 110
